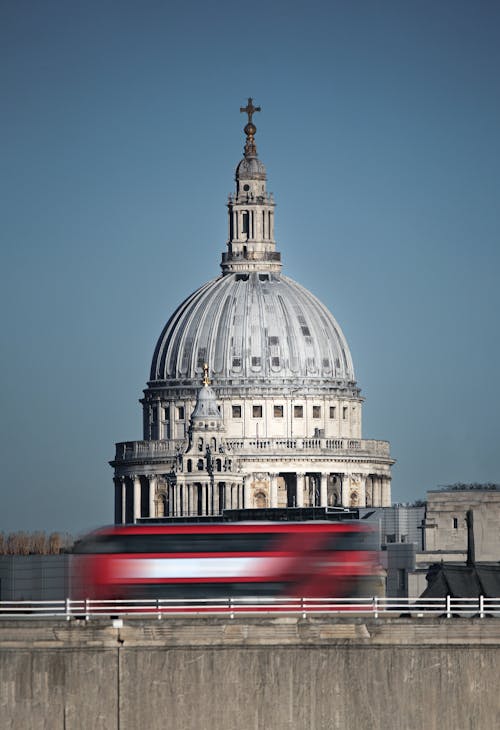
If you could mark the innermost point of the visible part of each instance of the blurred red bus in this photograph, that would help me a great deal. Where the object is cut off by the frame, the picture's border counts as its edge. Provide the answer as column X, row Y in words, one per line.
column 228, row 560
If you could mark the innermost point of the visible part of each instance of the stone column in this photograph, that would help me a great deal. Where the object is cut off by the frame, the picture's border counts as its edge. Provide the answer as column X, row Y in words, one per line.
column 362, row 491
column 274, row 490
column 152, row 495
column 124, row 500
column 170, row 493
column 171, row 421
column 368, row 491
column 159, row 419
column 323, row 490
column 344, row 497
column 386, row 492
column 300, row 490
column 137, row 497
column 377, row 492
column 180, row 499
column 203, row 499
column 215, row 498
column 246, row 491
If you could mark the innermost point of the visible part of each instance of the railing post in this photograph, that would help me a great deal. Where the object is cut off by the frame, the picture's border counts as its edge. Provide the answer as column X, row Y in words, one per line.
column 158, row 608
column 302, row 608
column 481, row 606
column 68, row 609
column 375, row 606
column 448, row 606
column 231, row 614
column 86, row 609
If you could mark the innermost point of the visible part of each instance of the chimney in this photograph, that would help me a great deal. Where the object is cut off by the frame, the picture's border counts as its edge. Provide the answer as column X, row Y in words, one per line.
column 471, row 551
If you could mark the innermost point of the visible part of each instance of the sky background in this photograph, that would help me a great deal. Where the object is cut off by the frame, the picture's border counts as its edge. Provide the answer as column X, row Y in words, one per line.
column 120, row 131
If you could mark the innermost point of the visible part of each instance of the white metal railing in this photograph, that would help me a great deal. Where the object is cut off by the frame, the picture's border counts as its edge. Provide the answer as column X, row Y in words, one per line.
column 375, row 607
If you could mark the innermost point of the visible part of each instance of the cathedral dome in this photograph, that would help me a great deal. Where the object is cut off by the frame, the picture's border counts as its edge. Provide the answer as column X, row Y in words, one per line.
column 253, row 327
column 252, row 400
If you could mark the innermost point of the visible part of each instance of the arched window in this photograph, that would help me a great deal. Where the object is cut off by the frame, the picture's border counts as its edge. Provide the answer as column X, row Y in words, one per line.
column 200, row 465
column 189, row 465
column 200, row 444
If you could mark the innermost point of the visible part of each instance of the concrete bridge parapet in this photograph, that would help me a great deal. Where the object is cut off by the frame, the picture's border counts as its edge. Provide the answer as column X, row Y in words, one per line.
column 251, row 673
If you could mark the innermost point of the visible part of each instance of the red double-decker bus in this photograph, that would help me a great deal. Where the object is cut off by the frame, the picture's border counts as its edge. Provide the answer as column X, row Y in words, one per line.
column 235, row 560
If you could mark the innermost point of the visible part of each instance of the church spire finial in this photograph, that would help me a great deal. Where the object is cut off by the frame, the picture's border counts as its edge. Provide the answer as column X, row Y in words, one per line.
column 250, row 128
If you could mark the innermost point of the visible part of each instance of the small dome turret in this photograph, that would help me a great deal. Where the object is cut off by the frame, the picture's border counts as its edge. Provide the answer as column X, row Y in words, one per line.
column 206, row 401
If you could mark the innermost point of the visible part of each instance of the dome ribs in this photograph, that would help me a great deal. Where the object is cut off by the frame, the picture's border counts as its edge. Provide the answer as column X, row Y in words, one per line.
column 161, row 367
column 221, row 354
column 257, row 326
column 251, row 326
column 291, row 336
column 237, row 365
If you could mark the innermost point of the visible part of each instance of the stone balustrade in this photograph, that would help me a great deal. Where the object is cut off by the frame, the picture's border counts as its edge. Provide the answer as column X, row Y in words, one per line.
column 137, row 450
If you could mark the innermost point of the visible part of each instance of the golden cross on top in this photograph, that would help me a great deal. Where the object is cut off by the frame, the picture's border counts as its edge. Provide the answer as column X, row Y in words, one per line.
column 206, row 379
column 250, row 109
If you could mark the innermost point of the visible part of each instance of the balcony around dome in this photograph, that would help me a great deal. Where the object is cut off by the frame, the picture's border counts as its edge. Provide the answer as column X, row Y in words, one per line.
column 133, row 453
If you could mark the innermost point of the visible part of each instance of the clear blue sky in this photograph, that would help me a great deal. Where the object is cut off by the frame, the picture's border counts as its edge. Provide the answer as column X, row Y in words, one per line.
column 120, row 130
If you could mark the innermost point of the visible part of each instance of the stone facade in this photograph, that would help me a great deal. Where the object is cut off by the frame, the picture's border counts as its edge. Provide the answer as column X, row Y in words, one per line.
column 281, row 422
column 445, row 527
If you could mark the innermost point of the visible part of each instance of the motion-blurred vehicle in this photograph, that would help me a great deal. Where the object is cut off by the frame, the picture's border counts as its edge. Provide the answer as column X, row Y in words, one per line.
column 220, row 560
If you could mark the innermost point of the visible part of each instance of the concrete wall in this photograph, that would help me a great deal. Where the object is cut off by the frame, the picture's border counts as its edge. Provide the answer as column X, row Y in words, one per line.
column 251, row 674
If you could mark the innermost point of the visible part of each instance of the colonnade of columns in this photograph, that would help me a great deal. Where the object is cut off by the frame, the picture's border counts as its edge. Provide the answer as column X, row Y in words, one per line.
column 251, row 224
column 137, row 496
column 312, row 489
column 378, row 491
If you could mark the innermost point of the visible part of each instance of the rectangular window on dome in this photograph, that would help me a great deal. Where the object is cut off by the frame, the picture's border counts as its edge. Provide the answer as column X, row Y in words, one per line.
column 278, row 411
column 333, row 412
column 344, row 413
column 316, row 411
column 180, row 413
column 236, row 411
column 298, row 411
column 257, row 411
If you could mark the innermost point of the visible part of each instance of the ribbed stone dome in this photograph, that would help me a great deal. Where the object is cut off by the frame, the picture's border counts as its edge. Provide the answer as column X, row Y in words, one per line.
column 253, row 327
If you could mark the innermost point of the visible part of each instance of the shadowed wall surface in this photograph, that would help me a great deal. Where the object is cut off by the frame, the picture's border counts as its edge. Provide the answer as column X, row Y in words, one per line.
column 255, row 674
